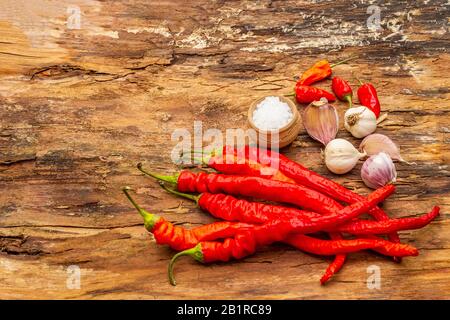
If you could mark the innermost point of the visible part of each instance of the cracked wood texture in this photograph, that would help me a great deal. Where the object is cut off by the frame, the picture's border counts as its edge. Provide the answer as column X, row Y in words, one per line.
column 80, row 107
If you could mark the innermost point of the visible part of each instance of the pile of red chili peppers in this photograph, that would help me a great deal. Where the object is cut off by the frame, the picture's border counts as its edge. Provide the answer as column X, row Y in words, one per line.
column 309, row 206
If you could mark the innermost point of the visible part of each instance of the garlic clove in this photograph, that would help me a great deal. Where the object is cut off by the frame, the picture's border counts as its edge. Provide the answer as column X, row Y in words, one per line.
column 378, row 170
column 360, row 121
column 321, row 121
column 341, row 156
column 376, row 143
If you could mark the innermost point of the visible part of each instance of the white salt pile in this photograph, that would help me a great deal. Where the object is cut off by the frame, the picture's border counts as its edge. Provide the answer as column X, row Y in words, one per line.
column 272, row 114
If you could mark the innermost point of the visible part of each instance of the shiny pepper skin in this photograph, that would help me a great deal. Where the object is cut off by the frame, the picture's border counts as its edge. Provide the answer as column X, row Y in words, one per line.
column 368, row 97
column 261, row 188
column 382, row 227
column 331, row 247
column 342, row 90
column 245, row 243
column 179, row 238
column 240, row 246
column 231, row 209
column 306, row 94
column 319, row 71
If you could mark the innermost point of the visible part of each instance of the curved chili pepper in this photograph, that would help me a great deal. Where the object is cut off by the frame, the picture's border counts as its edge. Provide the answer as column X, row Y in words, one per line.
column 289, row 169
column 368, row 97
column 229, row 208
column 306, row 94
column 255, row 187
column 179, row 238
column 319, row 71
column 381, row 227
column 230, row 163
column 332, row 247
column 232, row 209
column 342, row 90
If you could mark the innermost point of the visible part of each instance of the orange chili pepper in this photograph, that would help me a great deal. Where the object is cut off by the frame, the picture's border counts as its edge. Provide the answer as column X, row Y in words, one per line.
column 319, row 71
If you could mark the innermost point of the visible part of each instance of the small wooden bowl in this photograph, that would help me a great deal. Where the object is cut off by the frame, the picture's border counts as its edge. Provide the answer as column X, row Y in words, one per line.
column 287, row 134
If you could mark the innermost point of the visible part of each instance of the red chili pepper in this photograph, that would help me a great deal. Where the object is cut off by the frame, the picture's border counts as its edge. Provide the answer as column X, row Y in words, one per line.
column 242, row 161
column 229, row 208
column 382, row 250
column 229, row 162
column 367, row 95
column 306, row 94
column 332, row 247
column 342, row 90
column 249, row 186
column 181, row 239
column 290, row 169
column 319, row 71
column 381, row 227
column 245, row 244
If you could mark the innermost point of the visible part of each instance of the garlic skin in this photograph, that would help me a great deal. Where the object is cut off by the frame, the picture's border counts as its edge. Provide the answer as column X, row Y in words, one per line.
column 376, row 143
column 378, row 170
column 360, row 121
column 321, row 121
column 341, row 156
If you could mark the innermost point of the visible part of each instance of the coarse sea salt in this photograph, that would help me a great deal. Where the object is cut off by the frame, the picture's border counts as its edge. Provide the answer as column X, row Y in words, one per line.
column 272, row 114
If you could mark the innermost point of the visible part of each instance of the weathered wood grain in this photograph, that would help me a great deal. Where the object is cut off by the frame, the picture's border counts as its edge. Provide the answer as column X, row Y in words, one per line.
column 80, row 107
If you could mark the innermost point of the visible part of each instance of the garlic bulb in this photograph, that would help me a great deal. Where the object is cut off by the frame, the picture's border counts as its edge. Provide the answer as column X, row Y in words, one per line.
column 321, row 121
column 360, row 121
column 341, row 156
column 378, row 171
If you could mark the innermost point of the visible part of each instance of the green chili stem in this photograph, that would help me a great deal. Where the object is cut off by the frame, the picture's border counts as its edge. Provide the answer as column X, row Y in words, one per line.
column 349, row 99
column 149, row 219
column 170, row 179
column 181, row 194
column 195, row 252
column 343, row 61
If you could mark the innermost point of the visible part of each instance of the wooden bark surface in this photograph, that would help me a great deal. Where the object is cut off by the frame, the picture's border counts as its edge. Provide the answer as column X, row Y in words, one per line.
column 80, row 107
